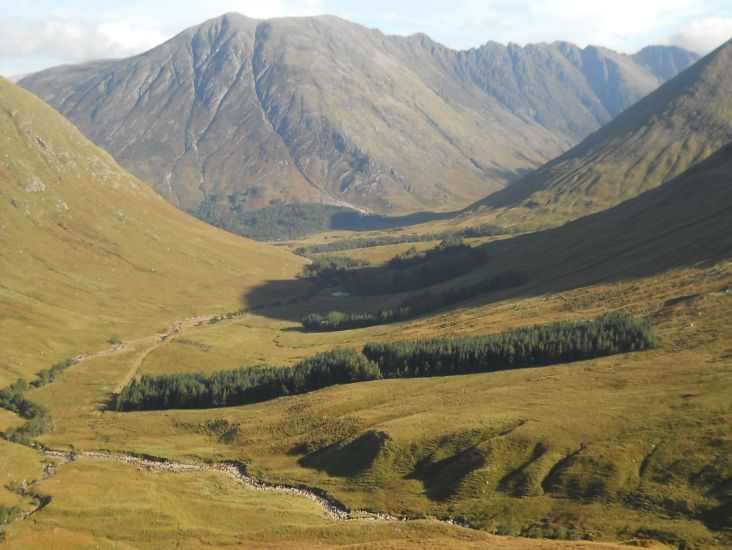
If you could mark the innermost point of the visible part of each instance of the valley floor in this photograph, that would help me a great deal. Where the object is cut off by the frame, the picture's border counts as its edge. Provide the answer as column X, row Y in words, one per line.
column 619, row 448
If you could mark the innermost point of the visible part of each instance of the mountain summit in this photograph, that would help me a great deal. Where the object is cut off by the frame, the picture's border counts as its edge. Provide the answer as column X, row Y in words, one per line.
column 237, row 112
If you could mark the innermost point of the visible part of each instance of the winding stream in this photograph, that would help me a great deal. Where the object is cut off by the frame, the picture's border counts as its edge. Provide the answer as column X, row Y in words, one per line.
column 332, row 508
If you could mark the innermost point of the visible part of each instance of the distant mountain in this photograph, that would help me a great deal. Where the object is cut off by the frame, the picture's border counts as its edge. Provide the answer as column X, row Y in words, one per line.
column 569, row 90
column 237, row 113
column 665, row 133
column 88, row 251
column 665, row 61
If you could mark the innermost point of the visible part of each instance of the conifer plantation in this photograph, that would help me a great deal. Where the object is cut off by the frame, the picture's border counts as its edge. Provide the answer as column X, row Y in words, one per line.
column 538, row 345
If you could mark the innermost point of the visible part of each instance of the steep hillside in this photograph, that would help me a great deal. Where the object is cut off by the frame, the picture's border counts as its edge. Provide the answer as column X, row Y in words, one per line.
column 236, row 113
column 87, row 251
column 673, row 128
column 682, row 223
column 569, row 90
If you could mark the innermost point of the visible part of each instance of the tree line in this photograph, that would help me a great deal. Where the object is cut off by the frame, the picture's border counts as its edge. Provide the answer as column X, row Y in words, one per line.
column 39, row 419
column 280, row 220
column 537, row 345
column 246, row 385
column 561, row 342
column 483, row 230
column 271, row 223
column 451, row 258
column 419, row 304
column 329, row 270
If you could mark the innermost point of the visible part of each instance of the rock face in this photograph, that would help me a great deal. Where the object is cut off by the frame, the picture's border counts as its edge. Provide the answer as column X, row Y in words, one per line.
column 238, row 112
column 670, row 130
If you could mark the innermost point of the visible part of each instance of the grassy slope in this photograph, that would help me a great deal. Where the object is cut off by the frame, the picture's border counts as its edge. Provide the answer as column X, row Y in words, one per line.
column 88, row 251
column 193, row 510
column 494, row 438
column 679, row 124
column 634, row 445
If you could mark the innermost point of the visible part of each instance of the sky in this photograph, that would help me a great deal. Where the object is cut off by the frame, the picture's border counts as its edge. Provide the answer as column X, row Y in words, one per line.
column 42, row 33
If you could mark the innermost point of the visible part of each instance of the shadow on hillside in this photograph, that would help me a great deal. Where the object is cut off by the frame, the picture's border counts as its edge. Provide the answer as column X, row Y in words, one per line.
column 443, row 479
column 275, row 294
column 679, row 224
column 291, row 300
column 355, row 221
column 106, row 402
column 346, row 459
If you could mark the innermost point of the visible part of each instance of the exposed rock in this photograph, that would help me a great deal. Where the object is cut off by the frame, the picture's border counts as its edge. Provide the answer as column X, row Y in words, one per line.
column 35, row 186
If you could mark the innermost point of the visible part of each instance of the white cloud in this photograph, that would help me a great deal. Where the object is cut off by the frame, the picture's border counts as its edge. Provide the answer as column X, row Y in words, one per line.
column 76, row 39
column 40, row 33
column 122, row 37
column 702, row 35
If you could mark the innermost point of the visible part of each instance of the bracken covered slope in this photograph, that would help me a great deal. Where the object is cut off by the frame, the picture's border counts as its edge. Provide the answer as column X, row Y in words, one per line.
column 88, row 251
column 237, row 112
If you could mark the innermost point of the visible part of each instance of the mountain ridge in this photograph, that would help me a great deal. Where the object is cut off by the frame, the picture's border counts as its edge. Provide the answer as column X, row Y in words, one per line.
column 236, row 113
column 670, row 130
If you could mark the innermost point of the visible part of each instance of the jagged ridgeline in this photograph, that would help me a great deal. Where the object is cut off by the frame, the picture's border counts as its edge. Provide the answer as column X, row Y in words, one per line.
column 238, row 113
column 667, row 132
column 527, row 347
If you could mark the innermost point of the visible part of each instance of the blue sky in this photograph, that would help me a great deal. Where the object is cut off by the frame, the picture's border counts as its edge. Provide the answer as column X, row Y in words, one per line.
column 42, row 33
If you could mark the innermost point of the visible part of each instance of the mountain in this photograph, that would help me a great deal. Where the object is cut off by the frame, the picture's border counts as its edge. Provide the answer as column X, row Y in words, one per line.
column 569, row 90
column 684, row 222
column 87, row 251
column 239, row 113
column 656, row 139
column 665, row 61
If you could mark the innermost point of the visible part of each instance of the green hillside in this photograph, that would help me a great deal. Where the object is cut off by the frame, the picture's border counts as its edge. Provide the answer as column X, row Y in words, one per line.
column 88, row 251
column 483, row 415
column 629, row 447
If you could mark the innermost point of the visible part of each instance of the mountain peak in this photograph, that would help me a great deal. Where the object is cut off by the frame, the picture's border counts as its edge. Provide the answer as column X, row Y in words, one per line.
column 238, row 112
